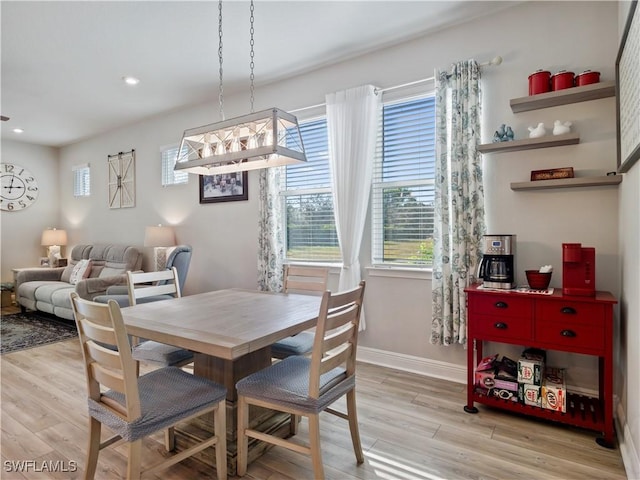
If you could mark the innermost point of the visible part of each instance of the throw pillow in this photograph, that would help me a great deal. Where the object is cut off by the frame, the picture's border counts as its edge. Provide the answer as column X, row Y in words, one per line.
column 81, row 270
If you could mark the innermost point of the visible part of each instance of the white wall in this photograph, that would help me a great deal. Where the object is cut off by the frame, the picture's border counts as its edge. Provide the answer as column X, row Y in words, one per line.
column 533, row 35
column 22, row 230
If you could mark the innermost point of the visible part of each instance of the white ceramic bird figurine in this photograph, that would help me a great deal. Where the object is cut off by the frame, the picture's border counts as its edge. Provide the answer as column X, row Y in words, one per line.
column 538, row 131
column 560, row 128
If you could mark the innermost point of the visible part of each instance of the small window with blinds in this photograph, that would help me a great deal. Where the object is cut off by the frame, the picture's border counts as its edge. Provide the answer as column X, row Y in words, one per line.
column 81, row 180
column 310, row 224
column 403, row 185
column 168, row 156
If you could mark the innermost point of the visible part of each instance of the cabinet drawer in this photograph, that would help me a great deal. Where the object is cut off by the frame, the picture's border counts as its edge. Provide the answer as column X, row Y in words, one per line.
column 513, row 329
column 571, row 335
column 576, row 312
column 501, row 305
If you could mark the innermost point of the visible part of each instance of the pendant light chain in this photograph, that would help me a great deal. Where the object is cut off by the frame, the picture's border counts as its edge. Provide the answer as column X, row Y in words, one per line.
column 220, row 91
column 251, row 63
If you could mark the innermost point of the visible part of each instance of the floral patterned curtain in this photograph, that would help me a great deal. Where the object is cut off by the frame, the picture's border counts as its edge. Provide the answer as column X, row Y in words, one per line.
column 459, row 200
column 270, row 231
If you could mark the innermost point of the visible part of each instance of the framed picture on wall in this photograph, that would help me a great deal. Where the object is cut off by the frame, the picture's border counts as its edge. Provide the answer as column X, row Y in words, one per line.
column 227, row 187
column 628, row 92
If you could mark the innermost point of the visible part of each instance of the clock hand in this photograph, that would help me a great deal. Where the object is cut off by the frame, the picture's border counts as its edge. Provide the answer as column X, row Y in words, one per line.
column 11, row 184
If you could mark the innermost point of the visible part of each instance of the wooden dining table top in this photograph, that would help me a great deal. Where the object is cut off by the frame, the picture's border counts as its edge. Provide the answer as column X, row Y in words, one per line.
column 225, row 323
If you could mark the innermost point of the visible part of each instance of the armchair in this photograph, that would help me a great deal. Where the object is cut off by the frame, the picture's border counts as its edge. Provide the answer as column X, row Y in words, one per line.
column 180, row 258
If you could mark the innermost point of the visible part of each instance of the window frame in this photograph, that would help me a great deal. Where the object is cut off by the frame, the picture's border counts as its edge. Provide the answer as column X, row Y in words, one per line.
column 378, row 186
column 285, row 194
column 81, row 180
column 166, row 153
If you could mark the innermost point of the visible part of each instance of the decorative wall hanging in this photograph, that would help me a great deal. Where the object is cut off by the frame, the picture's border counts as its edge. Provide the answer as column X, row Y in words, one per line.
column 122, row 180
column 227, row 187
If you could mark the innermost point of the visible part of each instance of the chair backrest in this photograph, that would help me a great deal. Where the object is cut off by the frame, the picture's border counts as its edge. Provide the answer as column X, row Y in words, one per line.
column 180, row 257
column 336, row 337
column 150, row 284
column 305, row 279
column 114, row 368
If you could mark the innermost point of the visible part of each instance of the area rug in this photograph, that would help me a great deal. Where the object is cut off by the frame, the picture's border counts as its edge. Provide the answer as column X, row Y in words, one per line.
column 28, row 330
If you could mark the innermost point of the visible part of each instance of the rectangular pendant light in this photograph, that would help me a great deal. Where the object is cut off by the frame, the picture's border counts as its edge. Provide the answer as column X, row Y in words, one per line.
column 269, row 138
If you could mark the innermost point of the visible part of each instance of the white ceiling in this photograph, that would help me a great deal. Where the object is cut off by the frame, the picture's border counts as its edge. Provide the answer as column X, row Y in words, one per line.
column 63, row 62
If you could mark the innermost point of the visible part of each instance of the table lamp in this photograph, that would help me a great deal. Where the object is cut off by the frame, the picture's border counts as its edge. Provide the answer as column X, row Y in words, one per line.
column 54, row 238
column 159, row 238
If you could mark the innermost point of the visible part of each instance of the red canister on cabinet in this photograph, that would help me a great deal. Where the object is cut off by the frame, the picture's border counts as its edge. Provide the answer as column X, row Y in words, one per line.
column 539, row 82
column 587, row 77
column 562, row 80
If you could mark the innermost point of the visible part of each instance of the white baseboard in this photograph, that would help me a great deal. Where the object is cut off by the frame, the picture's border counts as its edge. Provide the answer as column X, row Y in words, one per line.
column 457, row 373
column 628, row 450
column 409, row 363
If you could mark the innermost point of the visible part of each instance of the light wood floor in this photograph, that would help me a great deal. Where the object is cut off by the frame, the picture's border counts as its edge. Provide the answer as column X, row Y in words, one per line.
column 412, row 428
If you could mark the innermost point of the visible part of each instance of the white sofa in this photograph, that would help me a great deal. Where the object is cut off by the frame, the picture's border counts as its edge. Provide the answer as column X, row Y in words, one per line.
column 48, row 289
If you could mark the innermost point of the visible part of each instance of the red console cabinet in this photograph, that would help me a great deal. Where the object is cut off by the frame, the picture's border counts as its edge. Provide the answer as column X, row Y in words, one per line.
column 553, row 322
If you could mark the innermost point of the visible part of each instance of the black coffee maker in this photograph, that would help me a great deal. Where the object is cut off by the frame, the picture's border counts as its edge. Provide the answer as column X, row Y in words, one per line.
column 497, row 268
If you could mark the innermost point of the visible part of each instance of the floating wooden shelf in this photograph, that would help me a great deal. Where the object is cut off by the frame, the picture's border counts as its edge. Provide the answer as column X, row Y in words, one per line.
column 530, row 143
column 568, row 183
column 563, row 97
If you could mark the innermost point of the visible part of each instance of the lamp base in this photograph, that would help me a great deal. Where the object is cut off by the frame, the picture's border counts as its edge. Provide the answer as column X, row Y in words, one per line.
column 159, row 258
column 54, row 255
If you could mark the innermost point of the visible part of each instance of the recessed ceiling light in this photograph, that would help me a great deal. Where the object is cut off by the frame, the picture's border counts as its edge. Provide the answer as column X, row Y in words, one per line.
column 18, row 130
column 131, row 80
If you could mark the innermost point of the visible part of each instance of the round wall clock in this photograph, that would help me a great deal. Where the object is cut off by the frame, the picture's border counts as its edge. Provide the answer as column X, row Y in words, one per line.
column 19, row 187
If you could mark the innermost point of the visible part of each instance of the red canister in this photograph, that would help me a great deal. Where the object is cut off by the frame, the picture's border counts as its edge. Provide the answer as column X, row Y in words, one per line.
column 561, row 80
column 587, row 77
column 539, row 82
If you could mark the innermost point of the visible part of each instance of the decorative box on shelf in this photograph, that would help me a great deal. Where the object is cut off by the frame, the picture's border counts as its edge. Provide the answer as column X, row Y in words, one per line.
column 552, row 174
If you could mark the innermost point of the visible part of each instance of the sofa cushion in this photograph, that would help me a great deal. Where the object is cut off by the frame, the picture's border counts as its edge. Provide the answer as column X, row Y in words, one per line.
column 46, row 291
column 79, row 252
column 81, row 270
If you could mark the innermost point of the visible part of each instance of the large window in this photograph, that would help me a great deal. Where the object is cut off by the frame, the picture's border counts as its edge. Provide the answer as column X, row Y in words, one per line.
column 403, row 185
column 310, row 225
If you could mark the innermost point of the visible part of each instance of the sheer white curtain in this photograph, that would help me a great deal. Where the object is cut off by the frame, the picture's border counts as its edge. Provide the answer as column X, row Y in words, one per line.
column 352, row 123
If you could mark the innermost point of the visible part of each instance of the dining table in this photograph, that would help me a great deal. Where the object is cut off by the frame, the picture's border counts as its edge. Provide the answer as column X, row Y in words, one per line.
column 230, row 332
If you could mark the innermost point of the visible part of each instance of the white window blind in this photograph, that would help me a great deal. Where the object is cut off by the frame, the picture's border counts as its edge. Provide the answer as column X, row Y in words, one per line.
column 310, row 224
column 81, row 180
column 403, row 185
column 169, row 155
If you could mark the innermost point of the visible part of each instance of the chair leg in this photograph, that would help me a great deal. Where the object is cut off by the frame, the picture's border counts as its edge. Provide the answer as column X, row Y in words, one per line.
column 220, row 428
column 93, row 449
column 314, row 443
column 242, row 440
column 135, row 460
column 353, row 425
column 170, row 439
column 293, row 426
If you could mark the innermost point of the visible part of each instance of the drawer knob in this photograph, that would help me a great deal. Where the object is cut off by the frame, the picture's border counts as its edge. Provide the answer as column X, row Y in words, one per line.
column 500, row 325
column 568, row 310
column 501, row 305
column 568, row 333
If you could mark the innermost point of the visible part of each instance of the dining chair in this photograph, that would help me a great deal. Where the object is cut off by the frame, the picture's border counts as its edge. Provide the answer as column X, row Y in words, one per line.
column 300, row 279
column 305, row 386
column 135, row 407
column 156, row 286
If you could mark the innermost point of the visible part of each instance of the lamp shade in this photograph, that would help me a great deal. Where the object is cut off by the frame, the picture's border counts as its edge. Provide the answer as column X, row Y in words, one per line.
column 159, row 237
column 54, row 236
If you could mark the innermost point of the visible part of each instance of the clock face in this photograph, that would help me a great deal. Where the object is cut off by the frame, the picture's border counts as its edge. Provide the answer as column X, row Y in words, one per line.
column 19, row 187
